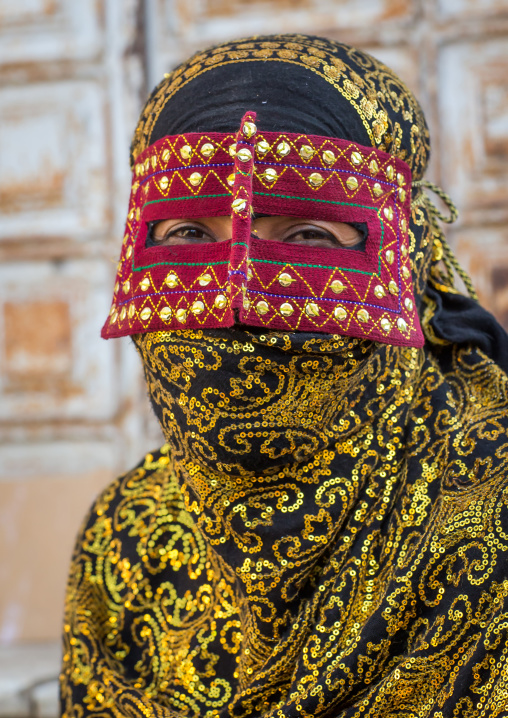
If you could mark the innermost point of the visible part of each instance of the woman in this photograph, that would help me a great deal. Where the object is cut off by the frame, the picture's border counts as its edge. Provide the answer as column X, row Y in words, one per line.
column 325, row 531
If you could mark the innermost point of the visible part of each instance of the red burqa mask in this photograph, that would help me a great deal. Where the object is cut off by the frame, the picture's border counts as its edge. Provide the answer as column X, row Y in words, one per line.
column 365, row 294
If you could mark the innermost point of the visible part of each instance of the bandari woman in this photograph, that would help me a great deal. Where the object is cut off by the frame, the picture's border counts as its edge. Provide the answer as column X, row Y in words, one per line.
column 325, row 532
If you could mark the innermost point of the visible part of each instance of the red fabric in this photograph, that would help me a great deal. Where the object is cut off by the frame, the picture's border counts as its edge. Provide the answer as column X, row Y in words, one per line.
column 362, row 294
column 241, row 216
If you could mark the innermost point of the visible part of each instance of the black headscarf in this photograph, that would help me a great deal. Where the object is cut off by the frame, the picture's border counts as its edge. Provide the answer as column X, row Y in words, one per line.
column 285, row 97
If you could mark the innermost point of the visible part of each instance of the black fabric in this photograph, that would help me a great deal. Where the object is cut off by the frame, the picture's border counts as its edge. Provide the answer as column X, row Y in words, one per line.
column 286, row 97
column 461, row 320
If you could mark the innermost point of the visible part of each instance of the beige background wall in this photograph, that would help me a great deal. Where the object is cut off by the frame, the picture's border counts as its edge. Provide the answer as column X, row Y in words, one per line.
column 73, row 75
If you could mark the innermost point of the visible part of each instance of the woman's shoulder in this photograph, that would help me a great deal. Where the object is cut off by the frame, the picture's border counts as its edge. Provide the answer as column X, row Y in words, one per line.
column 131, row 504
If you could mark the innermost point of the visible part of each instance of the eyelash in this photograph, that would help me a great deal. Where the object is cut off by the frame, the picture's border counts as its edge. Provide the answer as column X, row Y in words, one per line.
column 318, row 231
column 186, row 228
column 179, row 230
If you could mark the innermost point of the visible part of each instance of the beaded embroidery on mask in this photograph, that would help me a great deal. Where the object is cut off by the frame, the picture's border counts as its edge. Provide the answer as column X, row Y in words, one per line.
column 361, row 294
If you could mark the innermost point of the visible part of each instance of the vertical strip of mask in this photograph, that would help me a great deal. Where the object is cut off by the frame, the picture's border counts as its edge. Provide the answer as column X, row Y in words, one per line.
column 241, row 209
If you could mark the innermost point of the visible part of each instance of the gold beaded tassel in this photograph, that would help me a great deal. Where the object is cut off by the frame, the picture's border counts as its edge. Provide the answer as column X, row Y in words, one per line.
column 442, row 250
column 241, row 208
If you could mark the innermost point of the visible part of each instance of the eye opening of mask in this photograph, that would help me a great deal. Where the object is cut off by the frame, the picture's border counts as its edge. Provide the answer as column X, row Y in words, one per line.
column 360, row 227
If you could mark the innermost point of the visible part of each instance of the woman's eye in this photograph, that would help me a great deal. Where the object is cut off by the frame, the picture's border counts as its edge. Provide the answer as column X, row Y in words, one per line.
column 187, row 234
column 313, row 238
column 348, row 237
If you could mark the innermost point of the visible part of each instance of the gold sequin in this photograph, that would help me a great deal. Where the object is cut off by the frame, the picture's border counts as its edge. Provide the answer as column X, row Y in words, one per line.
column 316, row 179
column 244, row 154
column 286, row 279
column 207, row 149
column 270, row 174
column 337, row 286
column 262, row 147
column 171, row 280
column 205, row 279
column 373, row 167
column 249, row 129
column 386, row 325
column 198, row 307
column 220, row 301
column 437, row 251
column 306, row 152
column 238, row 205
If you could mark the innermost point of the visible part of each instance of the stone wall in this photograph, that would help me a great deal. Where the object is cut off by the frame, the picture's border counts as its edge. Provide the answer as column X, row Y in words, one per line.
column 73, row 76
